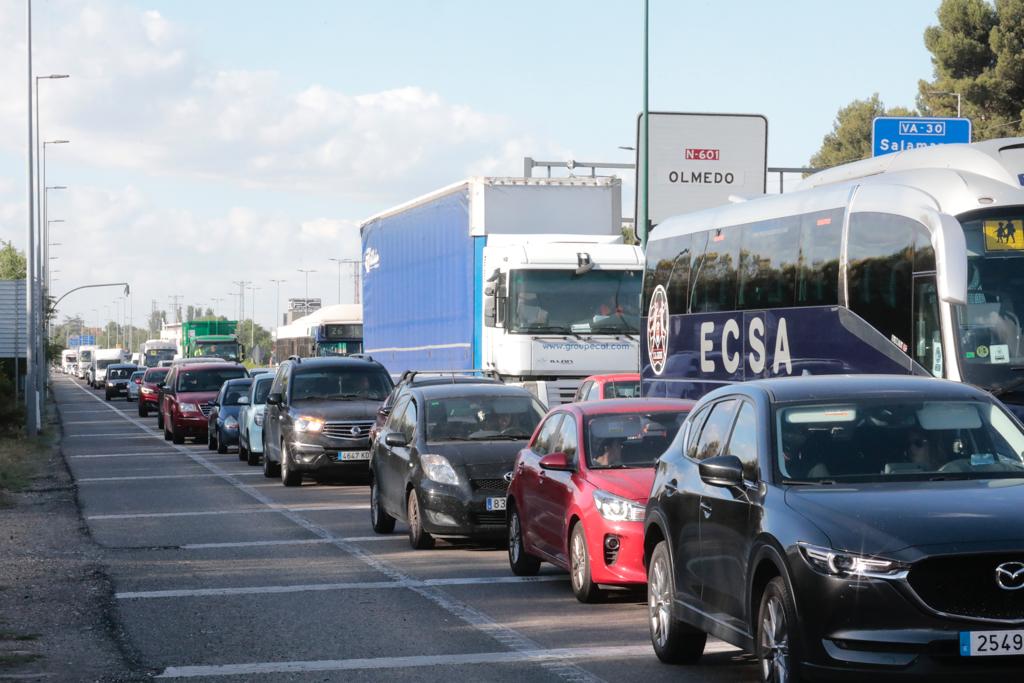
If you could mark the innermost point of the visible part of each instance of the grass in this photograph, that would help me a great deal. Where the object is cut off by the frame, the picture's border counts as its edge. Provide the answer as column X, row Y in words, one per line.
column 15, row 658
column 20, row 459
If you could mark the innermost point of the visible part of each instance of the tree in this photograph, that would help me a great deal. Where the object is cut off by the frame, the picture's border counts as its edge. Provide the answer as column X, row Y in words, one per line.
column 12, row 262
column 850, row 139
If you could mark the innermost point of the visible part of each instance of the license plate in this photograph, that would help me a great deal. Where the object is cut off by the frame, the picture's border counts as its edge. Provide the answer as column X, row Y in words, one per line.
column 354, row 455
column 991, row 643
column 495, row 504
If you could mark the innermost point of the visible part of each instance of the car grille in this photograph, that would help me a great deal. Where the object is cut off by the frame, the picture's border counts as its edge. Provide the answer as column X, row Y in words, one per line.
column 490, row 485
column 344, row 429
column 966, row 586
column 489, row 518
column 205, row 408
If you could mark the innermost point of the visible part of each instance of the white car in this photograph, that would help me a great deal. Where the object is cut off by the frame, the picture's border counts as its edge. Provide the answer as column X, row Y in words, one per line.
column 250, row 419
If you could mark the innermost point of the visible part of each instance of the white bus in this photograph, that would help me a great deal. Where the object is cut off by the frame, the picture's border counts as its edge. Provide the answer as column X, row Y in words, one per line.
column 909, row 263
column 153, row 351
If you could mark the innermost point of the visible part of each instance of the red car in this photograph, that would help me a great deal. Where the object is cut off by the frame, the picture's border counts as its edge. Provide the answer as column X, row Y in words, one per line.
column 579, row 490
column 187, row 396
column 600, row 387
column 148, row 390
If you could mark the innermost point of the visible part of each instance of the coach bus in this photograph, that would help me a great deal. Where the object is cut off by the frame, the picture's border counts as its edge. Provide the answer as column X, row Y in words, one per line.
column 909, row 263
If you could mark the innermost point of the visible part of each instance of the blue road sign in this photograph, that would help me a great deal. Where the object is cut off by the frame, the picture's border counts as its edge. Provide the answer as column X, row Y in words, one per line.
column 84, row 340
column 897, row 133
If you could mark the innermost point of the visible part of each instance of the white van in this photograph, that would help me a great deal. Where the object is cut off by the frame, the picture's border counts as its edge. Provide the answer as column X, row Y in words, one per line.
column 68, row 360
column 102, row 358
column 85, row 358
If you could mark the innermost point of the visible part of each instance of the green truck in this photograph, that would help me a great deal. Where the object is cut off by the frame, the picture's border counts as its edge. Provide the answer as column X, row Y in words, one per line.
column 215, row 338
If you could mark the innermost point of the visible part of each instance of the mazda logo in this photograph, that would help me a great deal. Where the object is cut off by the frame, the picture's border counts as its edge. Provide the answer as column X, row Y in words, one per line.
column 1010, row 576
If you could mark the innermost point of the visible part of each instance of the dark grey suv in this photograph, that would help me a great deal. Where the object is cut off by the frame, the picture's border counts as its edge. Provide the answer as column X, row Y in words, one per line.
column 318, row 417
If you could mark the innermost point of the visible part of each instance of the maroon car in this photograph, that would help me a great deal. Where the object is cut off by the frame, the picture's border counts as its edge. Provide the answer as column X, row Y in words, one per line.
column 149, row 390
column 187, row 396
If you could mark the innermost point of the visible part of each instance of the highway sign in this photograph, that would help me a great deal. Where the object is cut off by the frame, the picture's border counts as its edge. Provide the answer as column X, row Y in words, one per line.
column 83, row 340
column 897, row 133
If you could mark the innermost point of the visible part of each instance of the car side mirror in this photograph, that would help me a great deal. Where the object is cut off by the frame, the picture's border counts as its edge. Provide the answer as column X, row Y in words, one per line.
column 384, row 412
column 556, row 462
column 722, row 470
column 243, row 401
column 396, row 439
column 274, row 398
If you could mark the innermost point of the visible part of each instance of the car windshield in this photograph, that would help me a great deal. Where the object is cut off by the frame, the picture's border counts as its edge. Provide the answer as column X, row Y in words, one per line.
column 340, row 383
column 884, row 440
column 155, row 376
column 234, row 392
column 207, row 380
column 120, row 373
column 561, row 302
column 622, row 389
column 262, row 390
column 630, row 439
column 482, row 418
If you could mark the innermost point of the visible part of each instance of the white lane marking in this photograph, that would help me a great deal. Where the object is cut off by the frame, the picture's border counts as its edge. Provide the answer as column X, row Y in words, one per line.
column 205, row 475
column 350, row 585
column 112, row 435
column 534, row 656
column 121, row 455
column 247, row 511
column 300, row 541
column 506, row 636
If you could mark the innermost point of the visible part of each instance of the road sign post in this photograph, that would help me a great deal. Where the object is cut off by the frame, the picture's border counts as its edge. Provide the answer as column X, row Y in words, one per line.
column 897, row 133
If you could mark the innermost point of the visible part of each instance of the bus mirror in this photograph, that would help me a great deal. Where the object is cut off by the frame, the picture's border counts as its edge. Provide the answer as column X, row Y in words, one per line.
column 950, row 251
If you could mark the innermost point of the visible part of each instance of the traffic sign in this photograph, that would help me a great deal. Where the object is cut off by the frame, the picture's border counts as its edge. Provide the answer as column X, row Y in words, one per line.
column 897, row 133
column 83, row 340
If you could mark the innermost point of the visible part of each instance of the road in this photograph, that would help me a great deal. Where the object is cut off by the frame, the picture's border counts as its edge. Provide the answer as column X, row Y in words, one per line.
column 221, row 574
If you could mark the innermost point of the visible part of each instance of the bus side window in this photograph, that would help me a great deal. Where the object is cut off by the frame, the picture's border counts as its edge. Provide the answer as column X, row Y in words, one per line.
column 714, row 279
column 660, row 255
column 880, row 273
column 821, row 239
column 768, row 262
column 678, row 289
column 924, row 252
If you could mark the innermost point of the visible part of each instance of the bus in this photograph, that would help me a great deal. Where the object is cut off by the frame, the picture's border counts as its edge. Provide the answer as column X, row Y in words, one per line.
column 335, row 330
column 909, row 263
column 153, row 351
column 338, row 339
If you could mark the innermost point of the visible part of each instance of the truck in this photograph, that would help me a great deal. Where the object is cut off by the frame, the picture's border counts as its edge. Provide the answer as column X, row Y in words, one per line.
column 86, row 353
column 101, row 359
column 527, row 279
column 153, row 351
column 215, row 338
column 68, row 361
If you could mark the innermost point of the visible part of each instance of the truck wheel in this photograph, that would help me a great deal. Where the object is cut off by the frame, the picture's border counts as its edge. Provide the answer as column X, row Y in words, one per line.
column 176, row 437
column 418, row 538
column 221, row 447
column 674, row 641
column 382, row 522
column 289, row 477
column 579, row 567
column 522, row 562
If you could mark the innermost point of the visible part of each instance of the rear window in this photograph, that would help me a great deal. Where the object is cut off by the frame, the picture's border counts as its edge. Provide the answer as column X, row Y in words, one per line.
column 207, row 380
column 155, row 375
column 235, row 392
column 630, row 439
column 119, row 373
column 137, row 375
column 622, row 390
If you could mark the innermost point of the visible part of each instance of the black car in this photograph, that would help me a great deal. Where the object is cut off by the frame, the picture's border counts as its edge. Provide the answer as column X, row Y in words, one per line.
column 222, row 423
column 443, row 460
column 118, row 376
column 848, row 526
column 318, row 417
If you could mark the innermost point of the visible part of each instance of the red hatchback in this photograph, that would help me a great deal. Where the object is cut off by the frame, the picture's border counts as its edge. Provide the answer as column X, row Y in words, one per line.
column 149, row 390
column 188, row 394
column 579, row 490
column 601, row 387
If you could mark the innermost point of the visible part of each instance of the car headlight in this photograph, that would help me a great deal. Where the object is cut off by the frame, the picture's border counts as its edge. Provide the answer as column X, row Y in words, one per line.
column 843, row 564
column 230, row 422
column 437, row 468
column 305, row 423
column 258, row 419
column 616, row 509
column 145, row 390
column 188, row 407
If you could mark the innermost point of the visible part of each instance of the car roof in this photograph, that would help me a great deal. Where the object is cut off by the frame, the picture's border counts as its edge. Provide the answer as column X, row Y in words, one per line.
column 223, row 365
column 626, row 405
column 615, row 377
column 239, row 380
column 432, row 380
column 335, row 361
column 848, row 387
column 469, row 389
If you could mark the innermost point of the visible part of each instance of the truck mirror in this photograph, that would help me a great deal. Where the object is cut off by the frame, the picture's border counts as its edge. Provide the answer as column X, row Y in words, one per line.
column 490, row 311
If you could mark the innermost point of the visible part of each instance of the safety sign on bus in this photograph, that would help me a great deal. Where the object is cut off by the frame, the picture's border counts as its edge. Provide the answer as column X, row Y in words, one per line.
column 1004, row 235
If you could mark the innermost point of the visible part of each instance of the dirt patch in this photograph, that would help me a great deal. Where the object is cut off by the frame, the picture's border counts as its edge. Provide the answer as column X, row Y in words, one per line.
column 57, row 618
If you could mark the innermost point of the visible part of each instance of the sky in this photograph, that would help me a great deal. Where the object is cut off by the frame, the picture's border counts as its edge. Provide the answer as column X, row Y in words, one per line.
column 213, row 142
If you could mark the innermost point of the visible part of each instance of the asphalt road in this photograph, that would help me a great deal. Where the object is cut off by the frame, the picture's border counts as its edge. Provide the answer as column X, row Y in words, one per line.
column 221, row 574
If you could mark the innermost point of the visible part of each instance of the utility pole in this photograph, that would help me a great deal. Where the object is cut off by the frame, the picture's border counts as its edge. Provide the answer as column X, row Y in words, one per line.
column 643, row 152
column 339, row 261
column 31, row 406
column 277, row 303
column 241, row 297
column 306, row 300
column 252, row 320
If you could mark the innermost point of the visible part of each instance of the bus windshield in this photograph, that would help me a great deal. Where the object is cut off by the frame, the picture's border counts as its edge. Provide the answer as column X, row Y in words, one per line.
column 338, row 348
column 561, row 302
column 991, row 351
column 154, row 356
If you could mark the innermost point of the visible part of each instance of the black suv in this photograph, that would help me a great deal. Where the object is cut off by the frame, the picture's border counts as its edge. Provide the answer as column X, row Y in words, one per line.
column 118, row 376
column 318, row 417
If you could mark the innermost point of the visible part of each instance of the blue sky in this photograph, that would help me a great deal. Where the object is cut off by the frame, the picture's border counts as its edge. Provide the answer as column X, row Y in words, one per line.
column 218, row 141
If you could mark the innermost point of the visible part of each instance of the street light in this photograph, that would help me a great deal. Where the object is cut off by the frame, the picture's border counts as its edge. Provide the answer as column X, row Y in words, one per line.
column 307, row 272
column 277, row 304
column 953, row 94
column 339, row 262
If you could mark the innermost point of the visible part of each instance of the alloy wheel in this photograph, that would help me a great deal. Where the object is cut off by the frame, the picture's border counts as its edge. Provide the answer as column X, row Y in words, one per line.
column 659, row 601
column 514, row 537
column 774, row 642
column 579, row 561
column 374, row 496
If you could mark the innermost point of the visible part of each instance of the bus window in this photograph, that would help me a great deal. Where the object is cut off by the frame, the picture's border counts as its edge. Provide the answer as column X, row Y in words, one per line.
column 714, row 275
column 678, row 289
column 768, row 260
column 927, row 335
column 821, row 239
column 924, row 252
column 661, row 255
column 879, row 273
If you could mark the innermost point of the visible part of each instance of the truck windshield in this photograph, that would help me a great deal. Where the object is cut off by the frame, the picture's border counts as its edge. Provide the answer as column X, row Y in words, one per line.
column 991, row 350
column 561, row 302
column 225, row 350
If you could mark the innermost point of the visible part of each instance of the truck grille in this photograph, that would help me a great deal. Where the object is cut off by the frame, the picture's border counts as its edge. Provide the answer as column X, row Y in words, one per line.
column 966, row 586
column 350, row 430
column 490, row 485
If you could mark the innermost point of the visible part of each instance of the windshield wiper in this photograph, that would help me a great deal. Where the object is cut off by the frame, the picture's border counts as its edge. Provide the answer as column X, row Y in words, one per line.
column 1012, row 386
column 500, row 437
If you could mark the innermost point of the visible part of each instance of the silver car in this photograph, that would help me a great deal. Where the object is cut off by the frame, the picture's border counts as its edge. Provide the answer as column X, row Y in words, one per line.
column 250, row 419
column 134, row 384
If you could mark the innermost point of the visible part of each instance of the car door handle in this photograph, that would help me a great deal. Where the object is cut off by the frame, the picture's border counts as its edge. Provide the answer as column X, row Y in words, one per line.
column 671, row 488
column 706, row 509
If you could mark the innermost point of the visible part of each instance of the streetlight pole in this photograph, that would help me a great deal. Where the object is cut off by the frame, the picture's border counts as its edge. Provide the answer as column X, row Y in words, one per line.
column 31, row 422
column 954, row 94
column 277, row 303
column 306, row 302
column 252, row 320
column 339, row 262
column 644, row 151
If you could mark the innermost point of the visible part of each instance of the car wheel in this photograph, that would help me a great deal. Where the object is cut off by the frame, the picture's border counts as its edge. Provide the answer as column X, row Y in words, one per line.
column 776, row 638
column 160, row 419
column 418, row 538
column 142, row 410
column 674, row 641
column 211, row 443
column 167, row 432
column 522, row 562
column 251, row 458
column 579, row 567
column 382, row 522
column 270, row 469
column 176, row 437
column 243, row 452
column 221, row 446
column 289, row 477
column 106, row 395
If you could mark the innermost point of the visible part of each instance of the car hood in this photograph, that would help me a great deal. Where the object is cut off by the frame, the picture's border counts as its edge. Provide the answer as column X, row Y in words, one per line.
column 480, row 458
column 330, row 411
column 196, row 396
column 633, row 484
column 884, row 518
column 229, row 411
